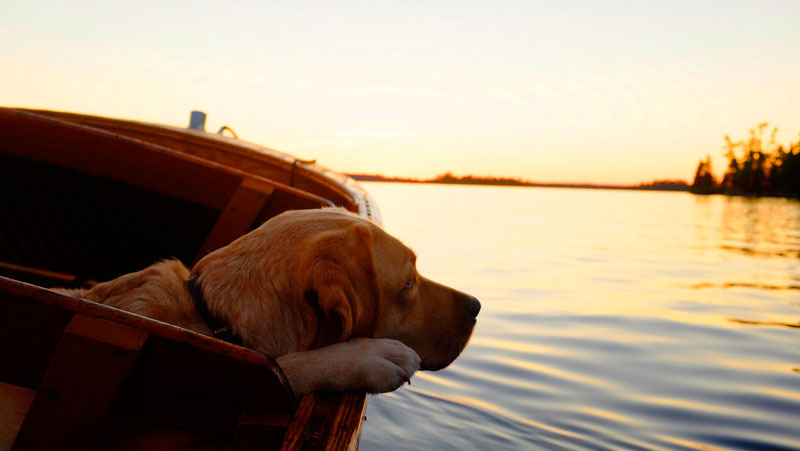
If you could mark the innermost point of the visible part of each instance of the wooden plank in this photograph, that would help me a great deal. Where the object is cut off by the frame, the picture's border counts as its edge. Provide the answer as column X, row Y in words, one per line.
column 326, row 421
column 344, row 427
column 238, row 215
column 81, row 382
column 36, row 276
column 14, row 404
column 296, row 432
column 29, row 335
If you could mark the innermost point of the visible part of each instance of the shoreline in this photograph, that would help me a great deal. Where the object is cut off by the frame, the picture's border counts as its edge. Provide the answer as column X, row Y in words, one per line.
column 482, row 181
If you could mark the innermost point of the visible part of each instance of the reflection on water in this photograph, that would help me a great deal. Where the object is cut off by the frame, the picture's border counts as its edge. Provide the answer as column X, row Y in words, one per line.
column 765, row 227
column 764, row 323
column 611, row 320
column 745, row 285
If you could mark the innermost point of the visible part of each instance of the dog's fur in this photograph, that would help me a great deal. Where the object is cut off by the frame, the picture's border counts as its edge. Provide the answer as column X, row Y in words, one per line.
column 332, row 296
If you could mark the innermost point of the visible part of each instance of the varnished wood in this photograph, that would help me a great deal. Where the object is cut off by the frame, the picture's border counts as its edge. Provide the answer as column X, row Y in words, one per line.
column 168, row 383
column 81, row 382
column 296, row 433
column 326, row 421
column 233, row 153
column 238, row 216
column 94, row 204
column 120, row 157
column 35, row 275
column 14, row 404
column 23, row 306
column 180, row 380
column 344, row 428
column 101, row 153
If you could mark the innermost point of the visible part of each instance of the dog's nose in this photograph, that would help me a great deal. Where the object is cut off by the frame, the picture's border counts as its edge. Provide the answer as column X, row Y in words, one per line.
column 473, row 306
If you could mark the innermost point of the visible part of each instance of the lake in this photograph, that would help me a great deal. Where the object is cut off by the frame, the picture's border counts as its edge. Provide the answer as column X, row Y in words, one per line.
column 611, row 320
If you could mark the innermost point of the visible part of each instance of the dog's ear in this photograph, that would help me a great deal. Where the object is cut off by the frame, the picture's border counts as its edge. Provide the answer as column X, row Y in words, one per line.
column 343, row 285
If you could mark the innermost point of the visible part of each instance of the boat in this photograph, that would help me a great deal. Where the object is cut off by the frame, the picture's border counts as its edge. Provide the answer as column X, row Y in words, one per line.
column 87, row 199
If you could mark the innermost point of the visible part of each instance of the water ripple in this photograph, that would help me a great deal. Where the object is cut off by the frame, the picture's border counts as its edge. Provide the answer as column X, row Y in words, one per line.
column 610, row 321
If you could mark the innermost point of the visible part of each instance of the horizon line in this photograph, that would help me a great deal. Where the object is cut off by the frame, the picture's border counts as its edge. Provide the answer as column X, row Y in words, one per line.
column 448, row 177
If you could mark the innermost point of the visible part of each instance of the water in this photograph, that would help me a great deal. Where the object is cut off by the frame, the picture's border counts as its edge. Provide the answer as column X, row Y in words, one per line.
column 611, row 320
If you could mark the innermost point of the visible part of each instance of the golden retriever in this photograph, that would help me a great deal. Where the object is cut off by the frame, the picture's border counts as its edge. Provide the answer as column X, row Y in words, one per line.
column 333, row 297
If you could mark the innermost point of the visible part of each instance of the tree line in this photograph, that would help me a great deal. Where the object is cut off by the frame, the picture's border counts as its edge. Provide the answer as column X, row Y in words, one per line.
column 449, row 178
column 753, row 168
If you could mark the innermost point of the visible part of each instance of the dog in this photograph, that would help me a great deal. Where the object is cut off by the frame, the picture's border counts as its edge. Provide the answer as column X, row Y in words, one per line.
column 333, row 297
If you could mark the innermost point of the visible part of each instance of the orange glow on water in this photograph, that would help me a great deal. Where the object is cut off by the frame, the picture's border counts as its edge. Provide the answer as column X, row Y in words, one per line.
column 606, row 317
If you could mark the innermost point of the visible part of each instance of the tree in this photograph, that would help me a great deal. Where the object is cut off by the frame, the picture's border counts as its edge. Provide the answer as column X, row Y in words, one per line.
column 756, row 170
column 704, row 182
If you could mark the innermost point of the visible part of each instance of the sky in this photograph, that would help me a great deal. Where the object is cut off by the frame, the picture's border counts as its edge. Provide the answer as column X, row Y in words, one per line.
column 610, row 92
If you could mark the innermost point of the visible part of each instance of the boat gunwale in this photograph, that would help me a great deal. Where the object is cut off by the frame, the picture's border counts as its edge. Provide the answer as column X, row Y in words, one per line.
column 152, row 326
column 344, row 184
column 153, row 147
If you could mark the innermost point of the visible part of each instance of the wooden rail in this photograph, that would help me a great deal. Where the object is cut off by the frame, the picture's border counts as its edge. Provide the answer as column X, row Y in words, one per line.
column 227, row 152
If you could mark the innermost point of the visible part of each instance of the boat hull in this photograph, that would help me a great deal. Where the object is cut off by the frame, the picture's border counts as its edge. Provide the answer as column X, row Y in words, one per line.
column 88, row 199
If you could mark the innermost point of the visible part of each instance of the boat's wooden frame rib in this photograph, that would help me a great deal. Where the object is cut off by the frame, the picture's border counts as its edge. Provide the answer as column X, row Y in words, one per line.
column 80, row 382
column 238, row 215
column 88, row 368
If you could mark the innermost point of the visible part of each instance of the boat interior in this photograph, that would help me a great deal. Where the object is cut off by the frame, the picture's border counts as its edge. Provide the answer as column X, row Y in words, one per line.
column 88, row 199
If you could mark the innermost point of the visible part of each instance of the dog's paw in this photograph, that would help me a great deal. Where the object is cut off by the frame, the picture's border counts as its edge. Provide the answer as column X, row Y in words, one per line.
column 374, row 365
column 381, row 364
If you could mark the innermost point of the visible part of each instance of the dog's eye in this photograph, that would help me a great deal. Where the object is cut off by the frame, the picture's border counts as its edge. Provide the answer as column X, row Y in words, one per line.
column 409, row 285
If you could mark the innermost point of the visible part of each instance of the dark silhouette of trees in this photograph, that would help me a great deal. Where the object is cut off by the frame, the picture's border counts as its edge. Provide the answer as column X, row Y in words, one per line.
column 664, row 185
column 754, row 170
column 449, row 178
column 704, row 181
column 473, row 180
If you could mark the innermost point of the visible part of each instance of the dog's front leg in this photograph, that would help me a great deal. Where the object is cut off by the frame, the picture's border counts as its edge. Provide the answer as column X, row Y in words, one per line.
column 374, row 365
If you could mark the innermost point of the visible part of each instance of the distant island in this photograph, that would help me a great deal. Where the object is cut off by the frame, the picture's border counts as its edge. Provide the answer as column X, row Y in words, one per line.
column 754, row 170
column 450, row 179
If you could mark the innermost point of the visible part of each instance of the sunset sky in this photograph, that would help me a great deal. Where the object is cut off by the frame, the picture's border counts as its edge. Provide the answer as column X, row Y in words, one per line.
column 564, row 91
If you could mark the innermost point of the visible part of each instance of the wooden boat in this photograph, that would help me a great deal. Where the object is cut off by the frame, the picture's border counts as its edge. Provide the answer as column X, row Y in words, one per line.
column 88, row 199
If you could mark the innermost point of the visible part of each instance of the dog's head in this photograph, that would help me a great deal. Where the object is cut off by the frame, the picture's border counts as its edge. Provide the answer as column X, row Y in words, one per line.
column 309, row 278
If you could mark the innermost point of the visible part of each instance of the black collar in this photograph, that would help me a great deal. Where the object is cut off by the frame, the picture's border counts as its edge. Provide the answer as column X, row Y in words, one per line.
column 220, row 329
